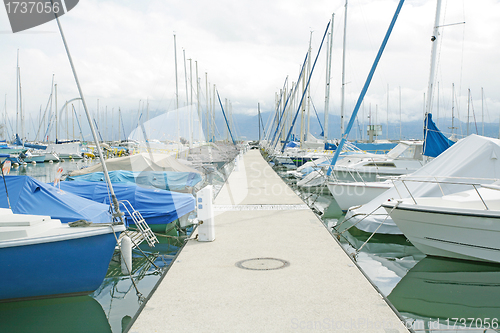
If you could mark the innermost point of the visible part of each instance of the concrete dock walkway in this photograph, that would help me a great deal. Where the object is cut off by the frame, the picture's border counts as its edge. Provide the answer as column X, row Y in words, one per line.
column 273, row 267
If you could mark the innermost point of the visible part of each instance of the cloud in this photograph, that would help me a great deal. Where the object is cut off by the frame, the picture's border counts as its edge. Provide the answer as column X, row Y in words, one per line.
column 124, row 53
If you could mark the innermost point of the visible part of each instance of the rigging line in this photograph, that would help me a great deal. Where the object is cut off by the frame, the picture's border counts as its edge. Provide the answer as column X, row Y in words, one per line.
column 319, row 121
column 227, row 123
column 77, row 121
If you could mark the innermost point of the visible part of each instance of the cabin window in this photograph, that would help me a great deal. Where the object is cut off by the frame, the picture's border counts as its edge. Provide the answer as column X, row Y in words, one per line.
column 380, row 164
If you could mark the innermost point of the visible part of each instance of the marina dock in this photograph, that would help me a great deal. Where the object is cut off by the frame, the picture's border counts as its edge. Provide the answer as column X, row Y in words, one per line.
column 273, row 267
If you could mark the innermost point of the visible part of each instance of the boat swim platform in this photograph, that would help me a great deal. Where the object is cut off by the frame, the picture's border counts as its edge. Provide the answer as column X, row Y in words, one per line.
column 273, row 267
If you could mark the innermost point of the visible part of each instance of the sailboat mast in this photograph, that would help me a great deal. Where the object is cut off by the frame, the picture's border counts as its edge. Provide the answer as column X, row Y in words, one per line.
column 468, row 111
column 117, row 214
column 482, row 111
column 342, row 94
column 309, row 90
column 119, row 123
column 5, row 119
column 434, row 37
column 328, row 76
column 55, row 96
column 17, row 93
column 191, row 103
column 452, row 108
column 258, row 118
column 200, row 123
column 21, row 113
column 387, row 114
column 400, row 116
column 176, row 90
column 207, row 112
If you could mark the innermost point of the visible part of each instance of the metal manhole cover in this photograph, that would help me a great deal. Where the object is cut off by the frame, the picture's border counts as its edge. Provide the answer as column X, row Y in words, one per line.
column 262, row 264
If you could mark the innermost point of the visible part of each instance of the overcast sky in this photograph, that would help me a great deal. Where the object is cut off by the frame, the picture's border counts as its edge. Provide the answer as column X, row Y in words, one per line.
column 124, row 54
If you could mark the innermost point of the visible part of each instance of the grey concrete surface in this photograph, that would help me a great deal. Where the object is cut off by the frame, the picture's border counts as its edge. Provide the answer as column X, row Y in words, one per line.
column 320, row 290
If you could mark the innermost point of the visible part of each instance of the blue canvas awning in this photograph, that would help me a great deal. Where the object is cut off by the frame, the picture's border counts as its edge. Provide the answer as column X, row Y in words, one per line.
column 30, row 196
column 155, row 205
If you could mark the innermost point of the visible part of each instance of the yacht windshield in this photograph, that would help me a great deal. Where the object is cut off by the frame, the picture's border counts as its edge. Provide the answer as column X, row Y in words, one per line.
column 401, row 150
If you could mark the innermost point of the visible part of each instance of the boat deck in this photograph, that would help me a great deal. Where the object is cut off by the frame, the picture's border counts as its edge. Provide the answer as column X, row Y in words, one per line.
column 273, row 267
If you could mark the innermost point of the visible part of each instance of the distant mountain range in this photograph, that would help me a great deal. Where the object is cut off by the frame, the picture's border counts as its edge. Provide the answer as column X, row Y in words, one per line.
column 246, row 128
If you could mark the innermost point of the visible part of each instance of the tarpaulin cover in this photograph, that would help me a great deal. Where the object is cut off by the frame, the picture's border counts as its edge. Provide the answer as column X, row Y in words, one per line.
column 156, row 206
column 30, row 196
column 434, row 141
column 292, row 144
column 166, row 180
column 375, row 147
column 139, row 163
column 474, row 159
column 330, row 146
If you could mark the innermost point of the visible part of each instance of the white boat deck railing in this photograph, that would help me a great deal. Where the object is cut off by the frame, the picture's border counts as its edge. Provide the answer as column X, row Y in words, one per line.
column 474, row 186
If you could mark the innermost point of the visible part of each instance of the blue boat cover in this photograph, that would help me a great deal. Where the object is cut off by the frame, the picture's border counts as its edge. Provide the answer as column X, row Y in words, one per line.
column 166, row 180
column 434, row 141
column 156, row 206
column 30, row 196
column 292, row 144
column 375, row 147
column 330, row 146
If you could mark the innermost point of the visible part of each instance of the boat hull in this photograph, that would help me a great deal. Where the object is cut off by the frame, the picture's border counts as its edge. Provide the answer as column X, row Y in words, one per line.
column 68, row 267
column 34, row 158
column 453, row 233
column 348, row 195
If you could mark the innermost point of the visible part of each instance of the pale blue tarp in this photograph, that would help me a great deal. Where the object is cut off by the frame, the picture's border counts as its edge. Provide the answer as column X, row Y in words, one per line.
column 375, row 147
column 166, row 180
column 30, row 196
column 156, row 206
column 434, row 141
column 292, row 144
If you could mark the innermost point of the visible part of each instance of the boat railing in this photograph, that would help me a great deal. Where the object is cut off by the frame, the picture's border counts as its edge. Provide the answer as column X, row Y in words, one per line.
column 474, row 185
column 140, row 223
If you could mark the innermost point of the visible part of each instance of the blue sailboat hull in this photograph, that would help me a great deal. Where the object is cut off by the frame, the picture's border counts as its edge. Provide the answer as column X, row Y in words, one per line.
column 68, row 267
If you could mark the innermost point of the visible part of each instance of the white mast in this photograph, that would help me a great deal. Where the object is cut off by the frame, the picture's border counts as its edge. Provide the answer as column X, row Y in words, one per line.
column 55, row 99
column 452, row 108
column 303, row 106
column 309, row 89
column 434, row 37
column 400, row 118
column 17, row 93
column 176, row 91
column 200, row 124
column 387, row 114
column 119, row 120
column 191, row 103
column 482, row 110
column 206, row 112
column 342, row 95
column 328, row 76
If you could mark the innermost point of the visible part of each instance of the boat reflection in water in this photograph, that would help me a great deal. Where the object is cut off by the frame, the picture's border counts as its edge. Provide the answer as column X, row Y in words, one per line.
column 109, row 309
column 384, row 258
column 438, row 291
column 121, row 298
column 68, row 314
